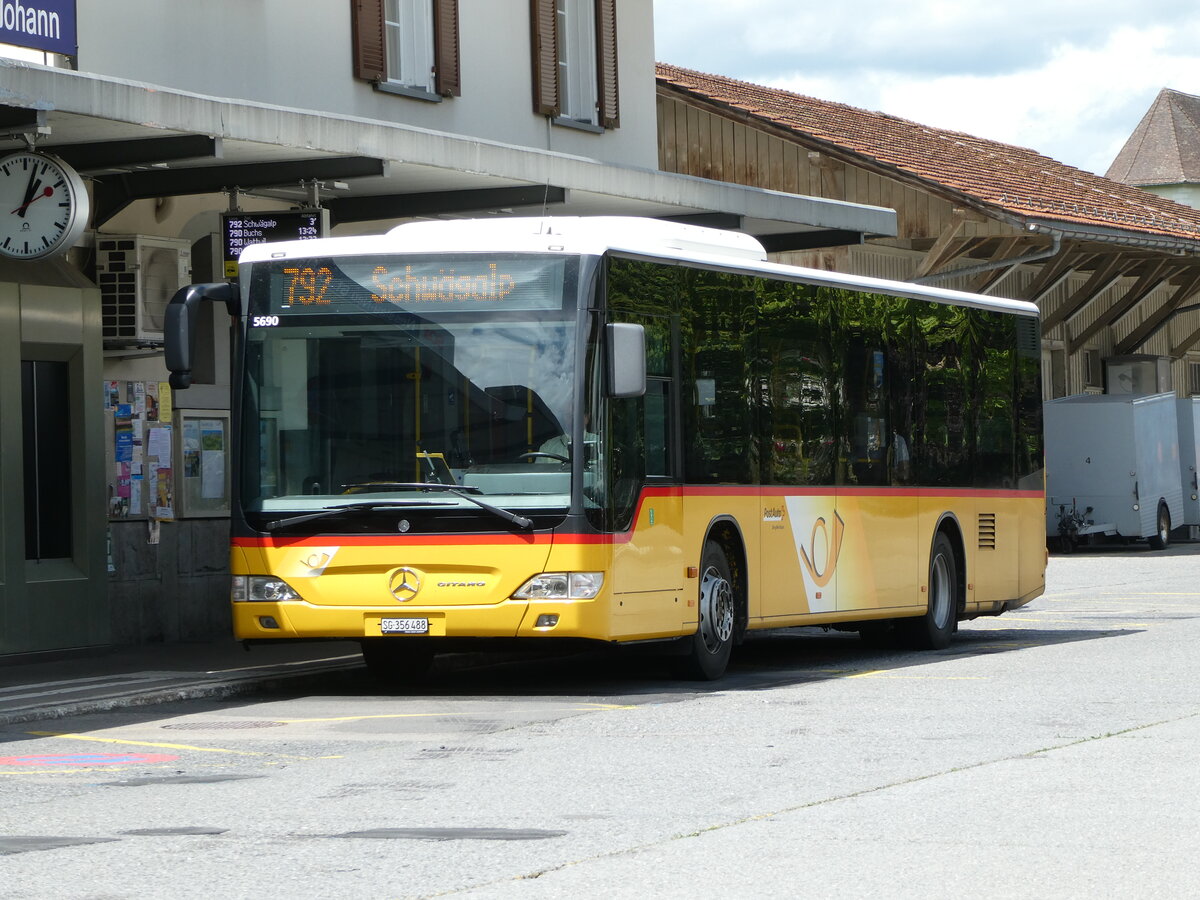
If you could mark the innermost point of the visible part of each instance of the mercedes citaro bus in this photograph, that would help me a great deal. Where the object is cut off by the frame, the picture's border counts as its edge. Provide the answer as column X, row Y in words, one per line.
column 617, row 430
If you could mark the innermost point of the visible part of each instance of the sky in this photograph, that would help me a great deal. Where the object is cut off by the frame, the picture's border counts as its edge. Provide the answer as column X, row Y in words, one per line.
column 1070, row 79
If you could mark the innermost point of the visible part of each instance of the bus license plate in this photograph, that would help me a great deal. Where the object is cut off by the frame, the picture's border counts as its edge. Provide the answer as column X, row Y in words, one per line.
column 404, row 626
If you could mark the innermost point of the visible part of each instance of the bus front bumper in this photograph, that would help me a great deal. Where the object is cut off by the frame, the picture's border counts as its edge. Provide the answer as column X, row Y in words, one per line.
column 512, row 618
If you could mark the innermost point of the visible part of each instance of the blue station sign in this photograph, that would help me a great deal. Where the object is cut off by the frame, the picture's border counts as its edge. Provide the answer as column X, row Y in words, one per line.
column 47, row 25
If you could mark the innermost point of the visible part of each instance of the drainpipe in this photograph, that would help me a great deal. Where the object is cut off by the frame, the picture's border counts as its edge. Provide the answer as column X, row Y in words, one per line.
column 1035, row 256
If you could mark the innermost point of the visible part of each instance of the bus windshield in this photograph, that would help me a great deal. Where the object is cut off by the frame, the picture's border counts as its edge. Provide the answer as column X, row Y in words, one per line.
column 409, row 381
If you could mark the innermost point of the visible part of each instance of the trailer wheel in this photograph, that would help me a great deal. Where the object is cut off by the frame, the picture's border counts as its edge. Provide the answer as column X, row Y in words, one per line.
column 1162, row 535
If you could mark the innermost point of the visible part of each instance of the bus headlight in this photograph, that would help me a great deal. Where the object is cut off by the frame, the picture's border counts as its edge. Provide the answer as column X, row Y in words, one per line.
column 261, row 588
column 561, row 586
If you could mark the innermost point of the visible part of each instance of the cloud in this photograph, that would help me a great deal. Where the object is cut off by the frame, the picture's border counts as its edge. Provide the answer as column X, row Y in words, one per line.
column 1069, row 79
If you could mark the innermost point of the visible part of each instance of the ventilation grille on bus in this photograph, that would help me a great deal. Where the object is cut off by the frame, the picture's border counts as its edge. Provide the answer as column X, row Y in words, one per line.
column 1029, row 337
column 987, row 531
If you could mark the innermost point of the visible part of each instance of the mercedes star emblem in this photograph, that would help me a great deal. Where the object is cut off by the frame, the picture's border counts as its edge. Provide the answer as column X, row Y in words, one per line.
column 404, row 584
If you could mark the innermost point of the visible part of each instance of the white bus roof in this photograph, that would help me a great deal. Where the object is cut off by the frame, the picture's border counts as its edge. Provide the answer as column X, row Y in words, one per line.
column 596, row 235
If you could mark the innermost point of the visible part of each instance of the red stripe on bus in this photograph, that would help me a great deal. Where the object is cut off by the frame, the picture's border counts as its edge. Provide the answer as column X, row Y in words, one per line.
column 648, row 493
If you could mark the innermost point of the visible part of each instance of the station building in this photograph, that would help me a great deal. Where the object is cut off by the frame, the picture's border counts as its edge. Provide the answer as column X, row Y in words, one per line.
column 359, row 115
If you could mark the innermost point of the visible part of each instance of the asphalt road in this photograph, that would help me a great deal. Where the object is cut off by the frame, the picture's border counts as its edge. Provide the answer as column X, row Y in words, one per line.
column 1046, row 753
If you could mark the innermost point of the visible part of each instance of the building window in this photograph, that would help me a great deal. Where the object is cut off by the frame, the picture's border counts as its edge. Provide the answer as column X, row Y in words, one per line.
column 1194, row 379
column 1091, row 368
column 409, row 28
column 407, row 47
column 45, row 408
column 1054, row 370
column 575, row 61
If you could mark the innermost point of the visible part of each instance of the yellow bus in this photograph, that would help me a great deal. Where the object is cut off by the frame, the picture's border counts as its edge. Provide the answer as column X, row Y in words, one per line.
column 477, row 433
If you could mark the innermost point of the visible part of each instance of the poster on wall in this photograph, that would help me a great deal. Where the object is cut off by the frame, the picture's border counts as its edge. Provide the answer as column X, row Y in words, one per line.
column 212, row 459
column 191, row 449
column 124, row 432
column 135, row 487
column 152, row 401
column 164, row 494
column 162, row 491
column 164, row 402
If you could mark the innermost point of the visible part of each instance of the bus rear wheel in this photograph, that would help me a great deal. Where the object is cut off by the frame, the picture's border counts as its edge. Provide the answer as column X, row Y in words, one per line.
column 934, row 629
column 709, row 648
column 396, row 660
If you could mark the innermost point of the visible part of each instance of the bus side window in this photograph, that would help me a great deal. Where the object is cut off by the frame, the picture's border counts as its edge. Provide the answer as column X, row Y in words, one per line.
column 657, row 424
column 718, row 323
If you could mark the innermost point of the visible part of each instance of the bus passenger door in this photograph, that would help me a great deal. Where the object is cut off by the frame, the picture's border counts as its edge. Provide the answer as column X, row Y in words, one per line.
column 648, row 566
column 800, row 530
column 879, row 556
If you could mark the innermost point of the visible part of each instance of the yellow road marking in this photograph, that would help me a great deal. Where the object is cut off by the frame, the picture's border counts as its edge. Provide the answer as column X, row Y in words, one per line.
column 162, row 746
column 928, row 678
column 588, row 707
column 890, row 677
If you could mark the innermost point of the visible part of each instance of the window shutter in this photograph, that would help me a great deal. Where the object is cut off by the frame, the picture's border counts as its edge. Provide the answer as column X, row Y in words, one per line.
column 606, row 61
column 446, row 81
column 367, row 36
column 544, row 22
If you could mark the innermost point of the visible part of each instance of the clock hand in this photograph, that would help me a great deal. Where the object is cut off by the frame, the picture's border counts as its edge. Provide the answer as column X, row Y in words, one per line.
column 30, row 190
column 47, row 191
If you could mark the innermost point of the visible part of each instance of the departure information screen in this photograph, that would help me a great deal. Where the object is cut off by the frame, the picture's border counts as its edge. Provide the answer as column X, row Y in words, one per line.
column 240, row 230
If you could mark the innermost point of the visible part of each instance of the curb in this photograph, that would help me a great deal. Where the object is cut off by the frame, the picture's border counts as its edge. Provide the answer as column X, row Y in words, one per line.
column 187, row 690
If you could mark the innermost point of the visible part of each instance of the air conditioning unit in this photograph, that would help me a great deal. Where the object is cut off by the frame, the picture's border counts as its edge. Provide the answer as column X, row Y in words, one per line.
column 138, row 275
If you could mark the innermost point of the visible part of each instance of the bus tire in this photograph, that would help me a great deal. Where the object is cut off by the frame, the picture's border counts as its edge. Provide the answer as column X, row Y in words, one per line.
column 396, row 660
column 1162, row 533
column 709, row 648
column 934, row 629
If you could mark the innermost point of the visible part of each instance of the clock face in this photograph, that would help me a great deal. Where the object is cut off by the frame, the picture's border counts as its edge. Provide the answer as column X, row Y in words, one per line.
column 43, row 206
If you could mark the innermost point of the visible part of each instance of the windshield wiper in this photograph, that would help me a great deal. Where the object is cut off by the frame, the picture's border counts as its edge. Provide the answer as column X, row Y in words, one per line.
column 330, row 511
column 465, row 492
column 511, row 517
column 384, row 486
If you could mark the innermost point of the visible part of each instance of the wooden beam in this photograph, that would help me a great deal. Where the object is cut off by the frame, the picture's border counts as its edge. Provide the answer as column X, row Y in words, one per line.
column 945, row 248
column 1153, row 322
column 1054, row 272
column 1155, row 275
column 1008, row 247
column 1186, row 344
column 1105, row 276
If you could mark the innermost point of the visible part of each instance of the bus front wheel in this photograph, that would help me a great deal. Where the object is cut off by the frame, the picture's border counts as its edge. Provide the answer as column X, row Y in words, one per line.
column 934, row 629
column 709, row 648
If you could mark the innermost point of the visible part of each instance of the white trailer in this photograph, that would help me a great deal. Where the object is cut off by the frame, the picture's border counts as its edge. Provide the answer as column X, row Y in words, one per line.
column 1112, row 467
column 1187, row 411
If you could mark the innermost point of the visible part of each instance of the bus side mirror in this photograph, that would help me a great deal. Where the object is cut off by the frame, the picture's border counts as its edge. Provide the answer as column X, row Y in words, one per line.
column 179, row 325
column 626, row 358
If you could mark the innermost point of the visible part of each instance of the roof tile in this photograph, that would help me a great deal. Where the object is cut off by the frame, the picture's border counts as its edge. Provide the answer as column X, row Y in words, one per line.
column 1015, row 179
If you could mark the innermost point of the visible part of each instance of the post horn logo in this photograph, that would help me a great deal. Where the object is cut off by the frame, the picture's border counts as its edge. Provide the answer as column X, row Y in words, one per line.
column 404, row 584
column 833, row 549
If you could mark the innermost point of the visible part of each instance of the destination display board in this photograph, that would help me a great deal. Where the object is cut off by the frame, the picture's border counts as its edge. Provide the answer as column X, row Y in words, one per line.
column 240, row 230
column 412, row 283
